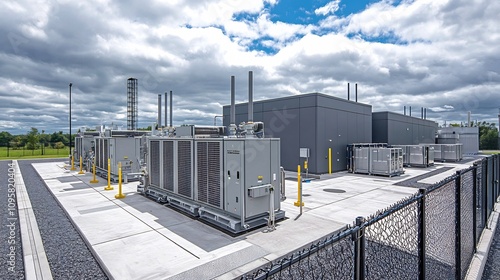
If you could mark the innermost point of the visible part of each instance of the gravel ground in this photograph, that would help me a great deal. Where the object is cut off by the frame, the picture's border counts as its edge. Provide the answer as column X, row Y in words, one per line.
column 68, row 255
column 492, row 269
column 11, row 254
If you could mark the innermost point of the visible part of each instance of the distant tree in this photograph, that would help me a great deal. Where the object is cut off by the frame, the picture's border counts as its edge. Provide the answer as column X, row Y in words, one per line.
column 455, row 125
column 59, row 145
column 488, row 136
column 145, row 128
column 59, row 137
column 32, row 139
column 5, row 138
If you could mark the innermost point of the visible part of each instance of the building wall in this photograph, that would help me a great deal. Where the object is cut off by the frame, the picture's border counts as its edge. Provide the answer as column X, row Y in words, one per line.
column 398, row 129
column 467, row 136
column 315, row 121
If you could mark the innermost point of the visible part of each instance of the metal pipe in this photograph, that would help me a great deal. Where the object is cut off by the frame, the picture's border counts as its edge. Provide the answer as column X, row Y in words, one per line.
column 171, row 106
column 404, row 110
column 70, row 85
column 159, row 110
column 468, row 119
column 425, row 113
column 410, row 111
column 166, row 109
column 356, row 91
column 232, row 115
column 422, row 112
column 250, row 96
column 348, row 91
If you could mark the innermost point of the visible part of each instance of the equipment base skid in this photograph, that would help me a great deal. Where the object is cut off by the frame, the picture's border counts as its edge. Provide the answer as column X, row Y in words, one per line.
column 213, row 217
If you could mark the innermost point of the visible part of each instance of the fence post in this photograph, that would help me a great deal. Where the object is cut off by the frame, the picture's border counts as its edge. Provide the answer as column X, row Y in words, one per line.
column 458, row 227
column 474, row 205
column 359, row 250
column 421, row 235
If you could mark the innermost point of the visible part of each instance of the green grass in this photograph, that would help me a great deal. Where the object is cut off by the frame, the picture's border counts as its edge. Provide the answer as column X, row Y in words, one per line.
column 26, row 154
column 489, row 152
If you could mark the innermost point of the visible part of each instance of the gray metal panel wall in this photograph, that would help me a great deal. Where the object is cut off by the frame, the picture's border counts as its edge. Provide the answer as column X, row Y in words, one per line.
column 397, row 129
column 315, row 121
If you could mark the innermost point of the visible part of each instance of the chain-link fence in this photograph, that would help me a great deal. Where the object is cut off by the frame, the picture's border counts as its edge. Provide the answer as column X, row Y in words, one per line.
column 432, row 234
column 57, row 149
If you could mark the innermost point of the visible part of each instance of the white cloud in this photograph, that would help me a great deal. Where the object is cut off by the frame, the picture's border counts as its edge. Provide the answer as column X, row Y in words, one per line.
column 441, row 55
column 329, row 8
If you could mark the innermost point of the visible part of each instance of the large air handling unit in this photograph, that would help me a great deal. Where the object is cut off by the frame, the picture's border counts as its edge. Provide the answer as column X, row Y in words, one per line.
column 233, row 181
column 123, row 147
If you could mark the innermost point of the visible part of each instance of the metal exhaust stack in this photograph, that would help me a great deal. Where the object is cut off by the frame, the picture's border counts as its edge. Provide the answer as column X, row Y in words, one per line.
column 410, row 111
column 468, row 119
column 425, row 113
column 404, row 110
column 250, row 96
column 348, row 91
column 356, row 91
column 159, row 111
column 232, row 112
column 166, row 110
column 422, row 112
column 171, row 106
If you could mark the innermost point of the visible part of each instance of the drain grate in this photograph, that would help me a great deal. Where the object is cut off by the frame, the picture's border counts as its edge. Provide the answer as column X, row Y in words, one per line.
column 334, row 190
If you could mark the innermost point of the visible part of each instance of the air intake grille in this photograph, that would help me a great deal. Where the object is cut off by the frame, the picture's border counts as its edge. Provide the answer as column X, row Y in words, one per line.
column 208, row 165
column 168, row 165
column 155, row 163
column 184, row 168
column 105, row 153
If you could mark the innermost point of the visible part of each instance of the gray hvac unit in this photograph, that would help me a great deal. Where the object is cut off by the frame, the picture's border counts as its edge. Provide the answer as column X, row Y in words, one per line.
column 361, row 160
column 451, row 152
column 386, row 161
column 119, row 149
column 227, row 181
column 437, row 152
column 84, row 147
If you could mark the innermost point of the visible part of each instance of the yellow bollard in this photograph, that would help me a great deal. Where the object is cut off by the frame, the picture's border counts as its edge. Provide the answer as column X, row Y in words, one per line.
column 94, row 180
column 329, row 160
column 72, row 163
column 299, row 202
column 120, row 194
column 81, row 166
column 109, row 187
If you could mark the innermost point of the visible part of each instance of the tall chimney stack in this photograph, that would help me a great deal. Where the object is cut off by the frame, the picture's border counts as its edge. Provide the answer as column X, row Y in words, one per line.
column 232, row 114
column 250, row 96
column 171, row 109
column 159, row 110
column 348, row 91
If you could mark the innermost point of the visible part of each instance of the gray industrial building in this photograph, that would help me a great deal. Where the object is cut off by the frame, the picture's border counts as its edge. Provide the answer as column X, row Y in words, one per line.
column 397, row 129
column 315, row 121
column 467, row 136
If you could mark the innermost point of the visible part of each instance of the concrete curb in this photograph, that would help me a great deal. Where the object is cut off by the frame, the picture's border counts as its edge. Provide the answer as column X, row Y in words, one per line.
column 36, row 264
column 479, row 259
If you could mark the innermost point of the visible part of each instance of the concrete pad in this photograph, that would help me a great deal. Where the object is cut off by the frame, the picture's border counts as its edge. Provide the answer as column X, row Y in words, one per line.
column 137, row 238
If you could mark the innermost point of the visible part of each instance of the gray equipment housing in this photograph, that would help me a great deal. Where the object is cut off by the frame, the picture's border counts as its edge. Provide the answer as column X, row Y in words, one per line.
column 228, row 182
column 448, row 152
column 84, row 147
column 119, row 149
column 378, row 161
column 417, row 155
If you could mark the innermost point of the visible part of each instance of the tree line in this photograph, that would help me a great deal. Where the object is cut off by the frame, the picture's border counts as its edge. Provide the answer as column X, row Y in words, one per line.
column 34, row 139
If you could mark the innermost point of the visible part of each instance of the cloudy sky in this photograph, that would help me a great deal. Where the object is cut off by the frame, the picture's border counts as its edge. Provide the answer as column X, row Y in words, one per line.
column 443, row 55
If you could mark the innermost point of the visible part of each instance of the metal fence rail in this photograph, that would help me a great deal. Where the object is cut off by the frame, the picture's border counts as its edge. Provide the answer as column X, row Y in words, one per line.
column 432, row 234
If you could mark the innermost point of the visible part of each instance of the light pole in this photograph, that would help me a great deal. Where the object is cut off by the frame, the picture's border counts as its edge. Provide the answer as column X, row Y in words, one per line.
column 70, row 85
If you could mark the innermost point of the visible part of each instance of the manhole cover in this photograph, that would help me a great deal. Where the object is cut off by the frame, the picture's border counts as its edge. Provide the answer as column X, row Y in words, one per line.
column 334, row 190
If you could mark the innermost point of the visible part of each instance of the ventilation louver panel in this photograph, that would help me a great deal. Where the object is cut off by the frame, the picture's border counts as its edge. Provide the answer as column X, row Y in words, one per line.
column 155, row 163
column 208, row 166
column 168, row 165
column 184, row 178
